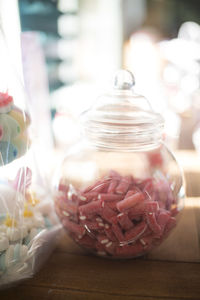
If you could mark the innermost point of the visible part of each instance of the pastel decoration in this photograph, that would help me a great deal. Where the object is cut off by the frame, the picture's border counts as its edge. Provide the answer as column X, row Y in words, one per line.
column 8, row 153
column 21, row 144
column 4, row 242
column 21, row 119
column 26, row 116
column 6, row 102
column 14, row 140
column 11, row 128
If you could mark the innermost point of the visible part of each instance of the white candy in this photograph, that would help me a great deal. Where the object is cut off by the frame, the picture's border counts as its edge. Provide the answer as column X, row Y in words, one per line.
column 17, row 233
column 4, row 242
column 14, row 234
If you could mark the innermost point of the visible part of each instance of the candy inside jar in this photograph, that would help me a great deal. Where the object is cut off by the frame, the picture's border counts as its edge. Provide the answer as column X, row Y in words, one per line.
column 118, row 193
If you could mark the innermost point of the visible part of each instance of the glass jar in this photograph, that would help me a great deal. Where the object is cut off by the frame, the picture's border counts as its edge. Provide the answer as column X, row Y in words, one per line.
column 119, row 190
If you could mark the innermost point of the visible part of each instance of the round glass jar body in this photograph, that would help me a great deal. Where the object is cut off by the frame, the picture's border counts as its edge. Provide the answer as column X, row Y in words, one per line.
column 119, row 204
column 119, row 191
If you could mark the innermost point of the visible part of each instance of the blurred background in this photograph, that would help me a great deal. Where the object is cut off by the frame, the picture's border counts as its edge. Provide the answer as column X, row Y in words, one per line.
column 72, row 48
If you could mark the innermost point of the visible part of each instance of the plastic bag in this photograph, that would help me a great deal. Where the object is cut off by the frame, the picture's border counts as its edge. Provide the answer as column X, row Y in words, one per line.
column 27, row 219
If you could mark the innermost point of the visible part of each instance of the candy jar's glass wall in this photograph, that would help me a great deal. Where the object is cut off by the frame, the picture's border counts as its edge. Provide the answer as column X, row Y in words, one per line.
column 118, row 192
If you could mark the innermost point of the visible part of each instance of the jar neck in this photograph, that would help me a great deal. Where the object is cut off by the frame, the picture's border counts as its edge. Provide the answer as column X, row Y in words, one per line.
column 128, row 139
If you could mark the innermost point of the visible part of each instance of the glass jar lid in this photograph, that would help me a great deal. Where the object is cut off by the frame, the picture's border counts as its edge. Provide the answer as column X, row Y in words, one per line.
column 122, row 119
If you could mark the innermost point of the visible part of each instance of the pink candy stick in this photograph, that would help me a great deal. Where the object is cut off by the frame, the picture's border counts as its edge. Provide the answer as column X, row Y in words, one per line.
column 147, row 241
column 124, row 185
column 137, row 210
column 110, row 197
column 89, row 188
column 62, row 202
column 144, row 182
column 130, row 250
column 100, row 247
column 73, row 227
column 63, row 188
column 91, row 208
column 103, row 239
column 109, row 233
column 72, row 208
column 87, row 241
column 91, row 225
column 113, row 184
column 124, row 221
column 130, row 193
column 112, row 205
column 151, row 220
column 130, row 201
column 134, row 233
column 107, row 213
column 162, row 220
column 114, row 174
column 151, row 206
column 110, row 247
column 149, row 188
column 102, row 187
column 91, row 196
column 142, row 202
column 118, row 233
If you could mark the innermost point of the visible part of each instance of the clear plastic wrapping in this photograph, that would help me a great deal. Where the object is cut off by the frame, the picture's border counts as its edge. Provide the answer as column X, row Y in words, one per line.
column 27, row 220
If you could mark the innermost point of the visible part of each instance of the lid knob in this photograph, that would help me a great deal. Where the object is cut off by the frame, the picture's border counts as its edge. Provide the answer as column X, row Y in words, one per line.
column 124, row 80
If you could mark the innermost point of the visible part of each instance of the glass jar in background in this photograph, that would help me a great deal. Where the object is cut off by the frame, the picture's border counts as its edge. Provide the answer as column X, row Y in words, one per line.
column 119, row 190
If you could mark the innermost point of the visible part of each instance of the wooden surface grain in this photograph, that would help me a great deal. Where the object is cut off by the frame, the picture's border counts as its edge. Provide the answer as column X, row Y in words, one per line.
column 73, row 276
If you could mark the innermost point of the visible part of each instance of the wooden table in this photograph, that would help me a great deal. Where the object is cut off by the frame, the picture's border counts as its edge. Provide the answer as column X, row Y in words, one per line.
column 172, row 271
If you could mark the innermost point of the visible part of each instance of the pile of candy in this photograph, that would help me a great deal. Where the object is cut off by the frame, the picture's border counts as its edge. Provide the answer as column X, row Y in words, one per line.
column 19, row 226
column 13, row 130
column 118, row 216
